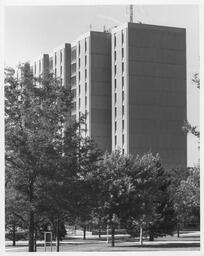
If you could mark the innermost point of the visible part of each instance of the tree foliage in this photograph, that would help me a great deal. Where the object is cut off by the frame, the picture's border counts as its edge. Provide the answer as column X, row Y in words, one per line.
column 187, row 127
column 46, row 155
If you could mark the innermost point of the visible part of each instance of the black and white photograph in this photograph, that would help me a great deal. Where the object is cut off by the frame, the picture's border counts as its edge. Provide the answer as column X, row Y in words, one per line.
column 101, row 127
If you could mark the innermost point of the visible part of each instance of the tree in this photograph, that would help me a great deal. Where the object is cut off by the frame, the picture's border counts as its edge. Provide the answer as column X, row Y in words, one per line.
column 35, row 118
column 46, row 156
column 186, row 199
column 88, row 155
column 150, row 208
column 112, row 187
column 187, row 127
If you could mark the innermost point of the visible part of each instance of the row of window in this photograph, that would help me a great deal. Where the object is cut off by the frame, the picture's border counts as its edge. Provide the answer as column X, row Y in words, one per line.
column 56, row 57
column 123, row 111
column 60, row 71
column 123, row 140
column 79, row 75
column 123, row 97
column 115, row 54
column 85, row 102
column 79, row 47
column 123, row 125
column 79, row 78
column 122, row 37
column 35, row 67
column 79, row 61
column 115, row 69
column 115, row 83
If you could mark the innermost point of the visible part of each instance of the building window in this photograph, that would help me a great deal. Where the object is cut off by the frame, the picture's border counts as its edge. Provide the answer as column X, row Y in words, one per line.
column 55, row 72
column 60, row 70
column 79, row 89
column 79, row 48
column 85, row 45
column 122, row 37
column 114, row 40
column 122, row 81
column 79, row 75
column 85, row 73
column 115, row 140
column 79, row 62
column 122, row 53
column 85, row 60
column 115, row 126
column 123, row 139
column 79, row 103
column 123, row 110
column 85, row 100
column 123, row 151
column 115, row 84
column 115, row 69
column 122, row 67
column 60, row 56
column 115, row 112
column 123, row 125
column 85, row 87
column 55, row 58
column 115, row 55
column 123, row 95
column 115, row 98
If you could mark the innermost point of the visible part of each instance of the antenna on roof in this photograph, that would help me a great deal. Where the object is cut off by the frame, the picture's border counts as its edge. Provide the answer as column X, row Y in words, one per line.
column 131, row 12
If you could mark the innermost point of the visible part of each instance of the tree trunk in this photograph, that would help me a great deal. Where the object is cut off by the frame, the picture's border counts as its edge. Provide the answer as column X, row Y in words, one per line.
column 151, row 237
column 178, row 231
column 31, row 231
column 14, row 234
column 35, row 241
column 99, row 232
column 57, row 235
column 84, row 232
column 141, row 235
column 113, row 236
column 151, row 233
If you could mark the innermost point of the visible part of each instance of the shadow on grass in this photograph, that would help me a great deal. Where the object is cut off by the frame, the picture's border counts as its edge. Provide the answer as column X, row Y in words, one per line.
column 166, row 245
column 17, row 245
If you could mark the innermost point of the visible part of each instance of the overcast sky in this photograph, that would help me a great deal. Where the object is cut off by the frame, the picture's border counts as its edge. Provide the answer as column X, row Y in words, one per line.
column 33, row 30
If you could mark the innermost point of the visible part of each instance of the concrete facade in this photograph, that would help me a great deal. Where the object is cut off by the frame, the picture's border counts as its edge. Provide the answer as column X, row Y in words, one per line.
column 149, row 91
column 91, row 83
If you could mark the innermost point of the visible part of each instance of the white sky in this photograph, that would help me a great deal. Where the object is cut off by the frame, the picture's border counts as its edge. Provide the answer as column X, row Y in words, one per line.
column 30, row 31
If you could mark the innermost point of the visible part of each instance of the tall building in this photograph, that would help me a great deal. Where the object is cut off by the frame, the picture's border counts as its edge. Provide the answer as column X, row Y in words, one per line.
column 40, row 65
column 85, row 67
column 91, row 84
column 59, row 64
column 131, row 84
column 149, row 91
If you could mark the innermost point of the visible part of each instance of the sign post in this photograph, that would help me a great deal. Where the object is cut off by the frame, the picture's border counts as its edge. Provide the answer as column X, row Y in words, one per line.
column 48, row 239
